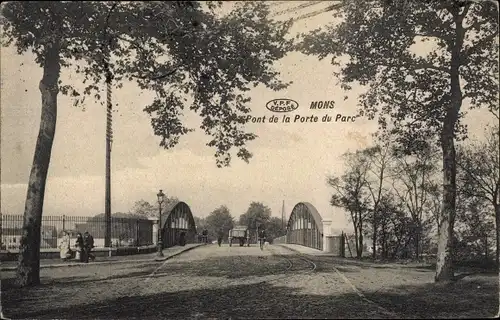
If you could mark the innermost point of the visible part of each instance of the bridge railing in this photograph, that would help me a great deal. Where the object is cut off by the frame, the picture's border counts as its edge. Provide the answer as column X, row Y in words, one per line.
column 311, row 238
column 279, row 240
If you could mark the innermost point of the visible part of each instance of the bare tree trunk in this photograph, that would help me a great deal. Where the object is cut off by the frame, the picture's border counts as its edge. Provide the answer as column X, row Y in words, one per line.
column 384, row 241
column 374, row 237
column 360, row 252
column 28, row 269
column 356, row 240
column 360, row 246
column 417, row 240
column 497, row 222
column 444, row 265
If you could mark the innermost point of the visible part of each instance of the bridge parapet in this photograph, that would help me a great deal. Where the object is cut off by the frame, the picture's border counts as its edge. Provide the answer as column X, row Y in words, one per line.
column 178, row 226
column 306, row 227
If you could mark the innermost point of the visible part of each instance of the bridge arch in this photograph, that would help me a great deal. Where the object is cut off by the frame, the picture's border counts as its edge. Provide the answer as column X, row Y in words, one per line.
column 177, row 219
column 305, row 226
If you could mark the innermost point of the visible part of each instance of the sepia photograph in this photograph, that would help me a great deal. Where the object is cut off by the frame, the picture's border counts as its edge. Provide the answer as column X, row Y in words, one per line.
column 250, row 159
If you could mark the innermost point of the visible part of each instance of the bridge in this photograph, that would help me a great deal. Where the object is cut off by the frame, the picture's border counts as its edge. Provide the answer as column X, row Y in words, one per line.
column 305, row 227
column 177, row 224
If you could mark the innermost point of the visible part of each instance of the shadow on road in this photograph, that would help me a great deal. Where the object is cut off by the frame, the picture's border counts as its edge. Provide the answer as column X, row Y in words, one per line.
column 255, row 301
column 234, row 267
column 100, row 296
column 466, row 298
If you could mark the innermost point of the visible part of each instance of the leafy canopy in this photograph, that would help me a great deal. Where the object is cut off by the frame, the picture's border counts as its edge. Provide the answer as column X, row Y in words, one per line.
column 410, row 89
column 219, row 219
column 256, row 215
column 183, row 52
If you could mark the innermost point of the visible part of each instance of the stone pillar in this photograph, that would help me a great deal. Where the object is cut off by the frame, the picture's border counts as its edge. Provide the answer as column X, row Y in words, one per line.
column 155, row 230
column 327, row 233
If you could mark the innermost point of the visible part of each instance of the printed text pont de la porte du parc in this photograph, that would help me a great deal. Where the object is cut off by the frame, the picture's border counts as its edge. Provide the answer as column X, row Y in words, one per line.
column 285, row 106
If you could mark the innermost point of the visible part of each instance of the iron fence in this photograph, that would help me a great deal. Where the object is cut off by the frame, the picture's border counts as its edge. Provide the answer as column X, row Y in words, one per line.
column 124, row 231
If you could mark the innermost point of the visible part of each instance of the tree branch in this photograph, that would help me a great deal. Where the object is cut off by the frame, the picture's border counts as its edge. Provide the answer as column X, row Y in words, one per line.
column 422, row 65
column 157, row 77
column 476, row 24
column 478, row 44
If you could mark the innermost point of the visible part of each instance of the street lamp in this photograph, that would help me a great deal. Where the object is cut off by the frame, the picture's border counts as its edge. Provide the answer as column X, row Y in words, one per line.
column 161, row 197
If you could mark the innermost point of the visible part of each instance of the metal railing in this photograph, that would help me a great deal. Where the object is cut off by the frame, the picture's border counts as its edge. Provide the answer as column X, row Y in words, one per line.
column 125, row 232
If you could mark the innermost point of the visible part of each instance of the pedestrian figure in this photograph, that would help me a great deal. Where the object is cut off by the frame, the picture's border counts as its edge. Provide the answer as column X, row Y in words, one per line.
column 182, row 239
column 205, row 235
column 262, row 238
column 65, row 247
column 88, row 245
column 79, row 247
column 220, row 236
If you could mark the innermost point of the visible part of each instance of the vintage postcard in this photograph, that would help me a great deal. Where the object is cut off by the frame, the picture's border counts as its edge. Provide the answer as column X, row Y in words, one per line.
column 249, row 159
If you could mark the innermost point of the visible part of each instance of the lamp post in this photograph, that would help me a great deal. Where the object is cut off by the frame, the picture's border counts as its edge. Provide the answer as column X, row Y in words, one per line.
column 161, row 197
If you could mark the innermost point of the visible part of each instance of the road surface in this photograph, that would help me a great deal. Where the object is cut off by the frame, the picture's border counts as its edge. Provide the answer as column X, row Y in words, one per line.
column 209, row 282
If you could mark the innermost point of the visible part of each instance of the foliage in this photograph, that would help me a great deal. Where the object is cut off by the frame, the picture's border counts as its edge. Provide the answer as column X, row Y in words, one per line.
column 475, row 232
column 259, row 216
column 479, row 167
column 413, row 184
column 174, row 50
column 418, row 95
column 219, row 219
column 479, row 191
column 275, row 228
column 256, row 216
column 143, row 208
column 351, row 193
column 379, row 158
column 201, row 223
column 125, row 215
column 409, row 90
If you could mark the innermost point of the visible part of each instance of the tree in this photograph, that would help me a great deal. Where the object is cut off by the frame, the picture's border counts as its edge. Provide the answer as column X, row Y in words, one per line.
column 397, row 231
column 418, row 95
column 200, row 223
column 219, row 219
column 175, row 49
column 123, row 215
column 379, row 158
column 412, row 184
column 479, row 174
column 274, row 228
column 144, row 209
column 256, row 215
column 475, row 225
column 350, row 193
column 392, row 234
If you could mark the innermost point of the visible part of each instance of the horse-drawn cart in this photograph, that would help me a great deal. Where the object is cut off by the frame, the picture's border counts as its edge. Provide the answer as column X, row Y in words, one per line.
column 239, row 234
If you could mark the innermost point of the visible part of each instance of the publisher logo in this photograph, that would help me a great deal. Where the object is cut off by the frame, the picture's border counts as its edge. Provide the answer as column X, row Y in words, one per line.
column 282, row 105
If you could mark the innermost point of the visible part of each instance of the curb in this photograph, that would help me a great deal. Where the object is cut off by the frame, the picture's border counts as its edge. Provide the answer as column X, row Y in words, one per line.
column 296, row 251
column 76, row 264
column 178, row 253
column 291, row 249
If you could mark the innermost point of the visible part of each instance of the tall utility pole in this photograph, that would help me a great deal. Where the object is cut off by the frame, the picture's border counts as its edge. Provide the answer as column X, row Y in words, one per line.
column 109, row 141
column 283, row 216
column 106, row 47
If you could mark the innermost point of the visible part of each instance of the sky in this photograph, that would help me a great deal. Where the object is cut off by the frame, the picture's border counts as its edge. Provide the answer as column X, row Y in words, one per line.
column 291, row 160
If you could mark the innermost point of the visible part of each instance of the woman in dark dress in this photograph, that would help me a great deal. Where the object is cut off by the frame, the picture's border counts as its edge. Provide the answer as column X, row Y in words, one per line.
column 79, row 247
